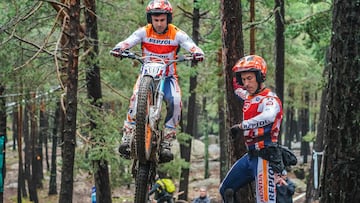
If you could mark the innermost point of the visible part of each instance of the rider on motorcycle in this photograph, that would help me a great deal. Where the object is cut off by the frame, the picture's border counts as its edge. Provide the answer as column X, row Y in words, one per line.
column 162, row 39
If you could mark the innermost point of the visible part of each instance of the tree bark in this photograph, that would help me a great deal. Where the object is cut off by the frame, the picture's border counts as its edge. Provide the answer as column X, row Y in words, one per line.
column 232, row 51
column 342, row 141
column 33, row 145
column 312, row 192
column 2, row 140
column 185, row 149
column 72, row 51
column 55, row 132
column 279, row 51
column 304, row 117
column 223, row 141
column 101, row 171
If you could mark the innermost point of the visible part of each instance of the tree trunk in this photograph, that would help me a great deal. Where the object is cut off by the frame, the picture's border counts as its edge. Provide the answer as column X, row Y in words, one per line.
column 279, row 51
column 33, row 143
column 223, row 141
column 29, row 150
column 21, row 179
column 279, row 48
column 232, row 41
column 55, row 130
column 185, row 149
column 290, row 119
column 252, row 28
column 312, row 188
column 101, row 171
column 2, row 141
column 43, row 139
column 72, row 51
column 304, row 117
column 15, row 126
column 341, row 180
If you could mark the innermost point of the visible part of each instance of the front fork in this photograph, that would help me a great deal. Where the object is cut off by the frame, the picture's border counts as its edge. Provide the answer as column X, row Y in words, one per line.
column 155, row 110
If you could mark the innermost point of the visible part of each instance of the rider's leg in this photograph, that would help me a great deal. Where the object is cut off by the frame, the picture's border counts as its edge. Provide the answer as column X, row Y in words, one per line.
column 265, row 182
column 172, row 97
column 129, row 124
column 240, row 174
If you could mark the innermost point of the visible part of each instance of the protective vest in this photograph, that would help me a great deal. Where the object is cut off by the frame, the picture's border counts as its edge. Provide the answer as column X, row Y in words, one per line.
column 262, row 116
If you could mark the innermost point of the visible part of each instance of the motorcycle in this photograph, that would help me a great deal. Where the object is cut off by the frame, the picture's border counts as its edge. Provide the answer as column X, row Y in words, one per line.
column 145, row 146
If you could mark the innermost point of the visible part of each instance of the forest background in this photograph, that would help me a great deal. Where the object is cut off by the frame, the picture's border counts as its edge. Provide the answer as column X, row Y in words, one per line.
column 36, row 77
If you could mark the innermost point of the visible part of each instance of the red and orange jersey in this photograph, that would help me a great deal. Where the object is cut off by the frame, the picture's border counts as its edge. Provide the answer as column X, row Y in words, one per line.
column 163, row 45
column 262, row 116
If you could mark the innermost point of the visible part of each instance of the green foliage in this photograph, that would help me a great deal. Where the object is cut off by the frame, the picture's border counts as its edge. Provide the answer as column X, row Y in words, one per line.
column 24, row 67
column 183, row 138
column 173, row 168
column 309, row 137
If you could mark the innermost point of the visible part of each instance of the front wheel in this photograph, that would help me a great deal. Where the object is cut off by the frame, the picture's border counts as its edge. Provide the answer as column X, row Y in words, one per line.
column 144, row 132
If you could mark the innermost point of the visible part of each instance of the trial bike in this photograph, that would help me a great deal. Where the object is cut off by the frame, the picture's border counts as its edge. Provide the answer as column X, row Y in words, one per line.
column 145, row 146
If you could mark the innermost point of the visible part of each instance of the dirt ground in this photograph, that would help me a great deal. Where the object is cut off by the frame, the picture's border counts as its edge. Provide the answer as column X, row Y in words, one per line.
column 84, row 181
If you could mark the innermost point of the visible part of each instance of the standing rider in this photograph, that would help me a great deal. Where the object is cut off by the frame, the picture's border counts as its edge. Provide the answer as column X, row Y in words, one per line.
column 262, row 116
column 162, row 39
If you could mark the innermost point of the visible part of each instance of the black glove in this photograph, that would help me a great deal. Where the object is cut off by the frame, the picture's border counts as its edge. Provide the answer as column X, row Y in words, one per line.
column 235, row 130
column 198, row 56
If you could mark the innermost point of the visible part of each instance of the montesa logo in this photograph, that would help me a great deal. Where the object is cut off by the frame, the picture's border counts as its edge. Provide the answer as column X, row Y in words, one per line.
column 159, row 41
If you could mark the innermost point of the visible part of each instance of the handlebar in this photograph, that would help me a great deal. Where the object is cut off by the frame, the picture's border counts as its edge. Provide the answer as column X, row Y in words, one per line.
column 128, row 54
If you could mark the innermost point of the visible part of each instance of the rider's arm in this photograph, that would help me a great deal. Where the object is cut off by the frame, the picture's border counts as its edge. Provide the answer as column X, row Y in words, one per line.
column 154, row 188
column 269, row 109
column 134, row 39
column 187, row 43
column 239, row 90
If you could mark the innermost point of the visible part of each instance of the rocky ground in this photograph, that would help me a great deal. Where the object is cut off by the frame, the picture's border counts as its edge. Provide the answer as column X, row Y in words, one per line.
column 83, row 181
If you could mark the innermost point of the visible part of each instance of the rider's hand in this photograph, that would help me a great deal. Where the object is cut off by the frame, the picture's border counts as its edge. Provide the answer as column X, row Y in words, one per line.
column 235, row 130
column 198, row 56
column 236, row 85
column 116, row 51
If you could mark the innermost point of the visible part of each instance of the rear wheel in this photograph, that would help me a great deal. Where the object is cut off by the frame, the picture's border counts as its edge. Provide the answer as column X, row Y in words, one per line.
column 142, row 183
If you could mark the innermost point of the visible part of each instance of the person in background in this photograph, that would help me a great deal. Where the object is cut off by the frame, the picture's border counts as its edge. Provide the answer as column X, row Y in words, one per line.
column 285, row 188
column 262, row 116
column 159, row 38
column 203, row 197
column 164, row 189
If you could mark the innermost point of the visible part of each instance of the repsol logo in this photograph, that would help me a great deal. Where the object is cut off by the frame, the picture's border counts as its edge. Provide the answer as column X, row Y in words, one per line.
column 271, row 177
column 256, row 125
column 268, row 195
column 159, row 41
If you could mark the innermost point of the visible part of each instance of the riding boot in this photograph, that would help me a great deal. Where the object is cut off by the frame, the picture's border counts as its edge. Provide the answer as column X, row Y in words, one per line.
column 165, row 146
column 128, row 133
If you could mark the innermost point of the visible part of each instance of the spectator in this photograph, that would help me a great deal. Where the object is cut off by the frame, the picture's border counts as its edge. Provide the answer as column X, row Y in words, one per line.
column 203, row 198
column 285, row 188
column 163, row 189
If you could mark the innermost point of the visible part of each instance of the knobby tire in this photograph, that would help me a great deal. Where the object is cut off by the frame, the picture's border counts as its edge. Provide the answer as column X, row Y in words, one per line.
column 143, row 138
column 142, row 183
